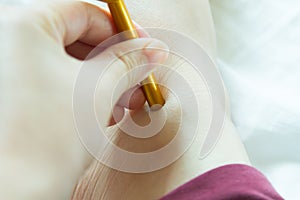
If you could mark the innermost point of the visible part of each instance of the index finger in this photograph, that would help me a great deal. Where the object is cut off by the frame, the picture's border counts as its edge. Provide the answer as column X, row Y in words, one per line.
column 75, row 20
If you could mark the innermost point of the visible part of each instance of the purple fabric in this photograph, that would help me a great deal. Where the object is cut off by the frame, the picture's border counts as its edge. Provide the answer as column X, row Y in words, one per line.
column 227, row 182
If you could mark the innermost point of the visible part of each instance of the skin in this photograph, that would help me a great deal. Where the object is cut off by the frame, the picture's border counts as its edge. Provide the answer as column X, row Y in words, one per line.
column 102, row 182
column 41, row 156
column 36, row 101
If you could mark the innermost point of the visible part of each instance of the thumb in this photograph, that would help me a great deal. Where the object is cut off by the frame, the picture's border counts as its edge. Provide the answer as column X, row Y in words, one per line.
column 123, row 66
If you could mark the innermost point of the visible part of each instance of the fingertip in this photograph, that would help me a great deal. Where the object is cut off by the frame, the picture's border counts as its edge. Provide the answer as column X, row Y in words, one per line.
column 117, row 115
column 133, row 98
column 137, row 100
column 156, row 51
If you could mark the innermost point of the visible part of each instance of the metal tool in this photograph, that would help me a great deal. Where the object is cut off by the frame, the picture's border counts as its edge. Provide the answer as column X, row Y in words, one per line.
column 123, row 23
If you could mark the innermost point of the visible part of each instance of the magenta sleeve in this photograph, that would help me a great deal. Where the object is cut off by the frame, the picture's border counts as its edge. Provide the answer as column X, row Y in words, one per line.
column 232, row 182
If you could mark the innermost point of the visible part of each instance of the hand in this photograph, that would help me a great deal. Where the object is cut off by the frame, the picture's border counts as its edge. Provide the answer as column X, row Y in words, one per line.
column 43, row 47
column 192, row 18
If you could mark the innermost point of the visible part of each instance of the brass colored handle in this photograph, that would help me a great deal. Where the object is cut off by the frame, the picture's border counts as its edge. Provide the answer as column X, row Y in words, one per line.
column 123, row 23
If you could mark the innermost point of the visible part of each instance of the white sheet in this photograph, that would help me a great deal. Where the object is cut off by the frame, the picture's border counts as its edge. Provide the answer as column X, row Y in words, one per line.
column 259, row 56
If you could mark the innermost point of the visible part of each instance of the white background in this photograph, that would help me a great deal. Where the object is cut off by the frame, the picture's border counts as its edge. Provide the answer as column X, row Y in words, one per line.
column 259, row 57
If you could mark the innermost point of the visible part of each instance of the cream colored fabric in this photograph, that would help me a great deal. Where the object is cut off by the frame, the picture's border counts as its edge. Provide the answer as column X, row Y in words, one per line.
column 258, row 50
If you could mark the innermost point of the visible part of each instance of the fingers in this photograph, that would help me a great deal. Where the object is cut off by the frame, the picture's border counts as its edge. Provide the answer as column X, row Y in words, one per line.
column 74, row 20
column 118, row 60
column 118, row 113
column 79, row 50
column 132, row 99
column 79, row 26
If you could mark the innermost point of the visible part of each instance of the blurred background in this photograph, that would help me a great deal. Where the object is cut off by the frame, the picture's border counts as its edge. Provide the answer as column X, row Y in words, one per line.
column 259, row 58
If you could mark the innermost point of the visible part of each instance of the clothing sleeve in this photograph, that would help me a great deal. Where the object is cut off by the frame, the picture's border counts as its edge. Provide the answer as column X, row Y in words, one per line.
column 227, row 182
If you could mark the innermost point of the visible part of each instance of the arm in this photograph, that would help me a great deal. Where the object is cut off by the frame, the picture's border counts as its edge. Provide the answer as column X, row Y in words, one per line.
column 41, row 156
column 193, row 19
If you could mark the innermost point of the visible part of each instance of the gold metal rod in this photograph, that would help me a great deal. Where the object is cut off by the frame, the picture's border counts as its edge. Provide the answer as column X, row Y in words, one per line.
column 123, row 23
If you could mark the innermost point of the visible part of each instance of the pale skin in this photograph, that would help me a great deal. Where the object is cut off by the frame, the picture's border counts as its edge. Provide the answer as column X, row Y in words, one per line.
column 184, row 17
column 38, row 127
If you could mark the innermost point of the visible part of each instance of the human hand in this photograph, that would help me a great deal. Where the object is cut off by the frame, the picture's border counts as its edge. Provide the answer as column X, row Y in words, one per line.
column 41, row 156
column 102, row 182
